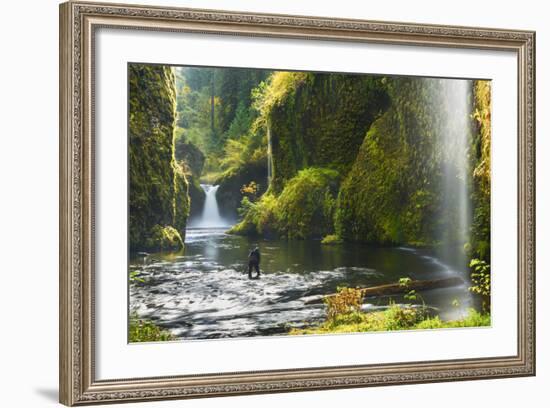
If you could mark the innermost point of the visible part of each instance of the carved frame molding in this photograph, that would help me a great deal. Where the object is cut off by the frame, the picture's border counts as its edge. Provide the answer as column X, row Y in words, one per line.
column 78, row 22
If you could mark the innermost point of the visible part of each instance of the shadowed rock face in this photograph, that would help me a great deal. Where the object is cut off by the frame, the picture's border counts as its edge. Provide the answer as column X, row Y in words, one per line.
column 229, row 192
column 158, row 186
column 191, row 159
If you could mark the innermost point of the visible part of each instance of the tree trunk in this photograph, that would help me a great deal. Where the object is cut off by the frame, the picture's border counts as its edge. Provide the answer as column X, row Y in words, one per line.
column 396, row 288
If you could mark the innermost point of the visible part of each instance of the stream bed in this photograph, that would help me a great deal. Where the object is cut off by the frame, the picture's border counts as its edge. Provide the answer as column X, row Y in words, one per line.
column 205, row 292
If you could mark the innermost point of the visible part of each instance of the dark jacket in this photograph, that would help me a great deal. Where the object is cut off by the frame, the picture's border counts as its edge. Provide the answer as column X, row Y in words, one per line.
column 254, row 256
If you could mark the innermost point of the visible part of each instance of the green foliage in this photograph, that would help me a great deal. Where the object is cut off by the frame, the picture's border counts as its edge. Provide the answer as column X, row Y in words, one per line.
column 316, row 120
column 481, row 157
column 189, row 156
column 180, row 200
column 214, row 105
column 331, row 239
column 135, row 278
column 473, row 319
column 393, row 318
column 158, row 187
column 393, row 193
column 412, row 295
column 345, row 301
column 165, row 238
column 402, row 318
column 241, row 123
column 481, row 281
column 258, row 218
column 142, row 330
column 383, row 138
column 481, row 277
column 247, row 150
column 252, row 168
column 304, row 209
column 280, row 86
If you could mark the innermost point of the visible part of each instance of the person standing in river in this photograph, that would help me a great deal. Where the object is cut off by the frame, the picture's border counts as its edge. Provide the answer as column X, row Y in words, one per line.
column 254, row 262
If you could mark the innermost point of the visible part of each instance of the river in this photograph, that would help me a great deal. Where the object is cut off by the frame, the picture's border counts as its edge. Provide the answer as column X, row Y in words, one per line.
column 205, row 291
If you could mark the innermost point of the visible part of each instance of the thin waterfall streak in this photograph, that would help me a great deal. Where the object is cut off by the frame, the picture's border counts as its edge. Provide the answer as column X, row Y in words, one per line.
column 269, row 157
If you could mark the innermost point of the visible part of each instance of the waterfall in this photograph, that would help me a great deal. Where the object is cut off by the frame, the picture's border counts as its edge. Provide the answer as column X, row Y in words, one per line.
column 269, row 157
column 454, row 110
column 210, row 217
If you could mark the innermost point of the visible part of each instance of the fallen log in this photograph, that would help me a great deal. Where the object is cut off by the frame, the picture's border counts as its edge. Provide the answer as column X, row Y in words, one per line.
column 396, row 288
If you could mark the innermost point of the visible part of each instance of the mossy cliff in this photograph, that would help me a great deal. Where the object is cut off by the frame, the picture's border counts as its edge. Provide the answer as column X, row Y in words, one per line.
column 319, row 120
column 304, row 209
column 191, row 160
column 158, row 200
column 315, row 124
column 230, row 183
column 481, row 191
column 391, row 194
column 375, row 160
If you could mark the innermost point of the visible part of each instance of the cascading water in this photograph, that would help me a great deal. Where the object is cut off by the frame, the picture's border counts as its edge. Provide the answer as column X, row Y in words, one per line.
column 454, row 110
column 210, row 217
column 269, row 157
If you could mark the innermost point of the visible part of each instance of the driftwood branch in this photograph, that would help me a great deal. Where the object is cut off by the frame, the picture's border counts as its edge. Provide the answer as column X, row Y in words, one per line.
column 396, row 288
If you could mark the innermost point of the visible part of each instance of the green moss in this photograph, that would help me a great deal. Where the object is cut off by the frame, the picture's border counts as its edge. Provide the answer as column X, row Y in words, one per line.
column 304, row 209
column 191, row 161
column 393, row 193
column 158, row 188
column 142, row 330
column 318, row 120
column 188, row 155
column 231, row 181
column 306, row 206
column 164, row 238
column 473, row 319
column 181, row 202
column 481, row 196
column 394, row 318
column 332, row 239
column 259, row 218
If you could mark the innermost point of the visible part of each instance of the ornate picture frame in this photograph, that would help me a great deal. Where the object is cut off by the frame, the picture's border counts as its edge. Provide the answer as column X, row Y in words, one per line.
column 79, row 22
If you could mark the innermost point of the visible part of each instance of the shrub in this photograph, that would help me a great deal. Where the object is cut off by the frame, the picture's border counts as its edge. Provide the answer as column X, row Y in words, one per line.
column 399, row 318
column 304, row 209
column 481, row 281
column 144, row 330
column 481, row 277
column 346, row 300
column 331, row 239
column 258, row 218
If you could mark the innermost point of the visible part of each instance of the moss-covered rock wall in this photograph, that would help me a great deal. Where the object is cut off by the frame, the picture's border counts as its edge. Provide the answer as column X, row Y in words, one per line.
column 229, row 194
column 158, row 197
column 410, row 159
column 481, row 192
column 191, row 161
column 391, row 195
column 321, row 120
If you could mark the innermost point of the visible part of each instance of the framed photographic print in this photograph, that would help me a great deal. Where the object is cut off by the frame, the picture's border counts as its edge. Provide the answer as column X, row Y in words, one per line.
column 256, row 203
